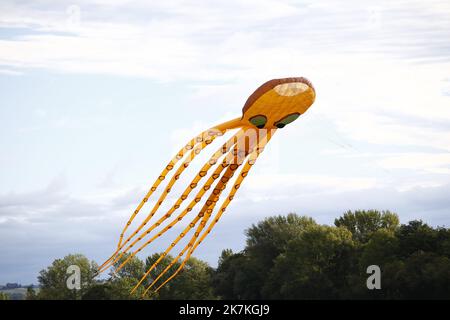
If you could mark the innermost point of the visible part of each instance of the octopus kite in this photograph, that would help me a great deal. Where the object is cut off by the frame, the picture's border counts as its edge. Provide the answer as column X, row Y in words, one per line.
column 272, row 106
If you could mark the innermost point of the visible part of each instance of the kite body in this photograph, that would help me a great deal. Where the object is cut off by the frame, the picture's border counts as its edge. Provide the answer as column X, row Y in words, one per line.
column 272, row 106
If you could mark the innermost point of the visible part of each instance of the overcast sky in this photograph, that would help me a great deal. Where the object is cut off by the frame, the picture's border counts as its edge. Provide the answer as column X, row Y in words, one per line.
column 95, row 97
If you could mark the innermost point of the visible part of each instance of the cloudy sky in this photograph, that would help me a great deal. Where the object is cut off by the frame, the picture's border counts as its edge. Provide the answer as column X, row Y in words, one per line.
column 95, row 97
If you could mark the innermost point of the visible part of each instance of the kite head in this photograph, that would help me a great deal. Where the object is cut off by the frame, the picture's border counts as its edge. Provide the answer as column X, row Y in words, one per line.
column 278, row 102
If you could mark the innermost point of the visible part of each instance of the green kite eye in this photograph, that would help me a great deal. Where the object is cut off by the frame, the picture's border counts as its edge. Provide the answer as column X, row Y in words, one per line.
column 286, row 120
column 258, row 121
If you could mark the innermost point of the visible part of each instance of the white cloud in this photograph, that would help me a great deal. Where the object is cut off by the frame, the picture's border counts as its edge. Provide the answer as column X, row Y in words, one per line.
column 381, row 74
column 289, row 184
column 10, row 72
column 428, row 162
column 183, row 40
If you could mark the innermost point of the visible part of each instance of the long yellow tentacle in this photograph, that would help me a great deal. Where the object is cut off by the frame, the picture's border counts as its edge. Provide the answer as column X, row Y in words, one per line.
column 248, row 149
column 202, row 173
column 221, row 185
column 197, row 199
column 180, row 155
column 191, row 245
column 238, row 161
column 225, row 149
column 191, row 242
column 212, row 132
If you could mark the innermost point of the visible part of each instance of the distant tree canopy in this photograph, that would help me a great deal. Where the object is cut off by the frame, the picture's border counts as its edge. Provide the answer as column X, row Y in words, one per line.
column 287, row 257
column 295, row 258
column 53, row 280
column 192, row 283
column 31, row 294
column 362, row 224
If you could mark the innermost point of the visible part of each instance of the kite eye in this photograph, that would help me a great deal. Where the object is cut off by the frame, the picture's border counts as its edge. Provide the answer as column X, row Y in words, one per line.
column 258, row 121
column 286, row 120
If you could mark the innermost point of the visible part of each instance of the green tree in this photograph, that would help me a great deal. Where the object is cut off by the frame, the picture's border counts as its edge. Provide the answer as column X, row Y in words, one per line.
column 4, row 296
column 422, row 275
column 193, row 282
column 122, row 282
column 265, row 242
column 294, row 258
column 362, row 224
column 53, row 279
column 31, row 294
column 290, row 257
column 382, row 248
column 134, row 268
column 417, row 236
column 316, row 265
column 101, row 291
column 245, row 275
column 268, row 238
column 231, row 278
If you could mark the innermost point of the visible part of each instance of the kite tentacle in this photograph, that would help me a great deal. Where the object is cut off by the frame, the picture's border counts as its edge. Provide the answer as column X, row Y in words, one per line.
column 180, row 155
column 203, row 172
column 194, row 243
column 188, row 148
column 212, row 133
column 192, row 240
column 214, row 196
column 193, row 203
column 216, row 174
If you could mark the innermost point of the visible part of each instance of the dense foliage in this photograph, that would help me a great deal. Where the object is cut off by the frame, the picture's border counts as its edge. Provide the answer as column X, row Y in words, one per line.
column 295, row 258
column 289, row 257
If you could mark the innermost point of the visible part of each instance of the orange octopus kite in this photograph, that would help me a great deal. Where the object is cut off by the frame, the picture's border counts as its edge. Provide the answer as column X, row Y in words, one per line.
column 272, row 106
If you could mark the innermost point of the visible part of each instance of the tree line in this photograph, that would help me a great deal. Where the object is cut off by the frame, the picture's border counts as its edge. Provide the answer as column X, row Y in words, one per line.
column 287, row 257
